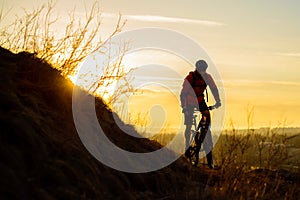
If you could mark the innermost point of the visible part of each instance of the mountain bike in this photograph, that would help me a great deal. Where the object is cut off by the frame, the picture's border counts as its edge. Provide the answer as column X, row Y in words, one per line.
column 197, row 137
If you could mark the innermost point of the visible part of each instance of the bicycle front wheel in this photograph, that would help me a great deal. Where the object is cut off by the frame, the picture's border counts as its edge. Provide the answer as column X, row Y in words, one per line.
column 194, row 154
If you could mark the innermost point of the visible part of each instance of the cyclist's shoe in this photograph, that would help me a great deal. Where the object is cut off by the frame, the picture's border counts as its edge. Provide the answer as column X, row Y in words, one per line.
column 210, row 161
column 187, row 153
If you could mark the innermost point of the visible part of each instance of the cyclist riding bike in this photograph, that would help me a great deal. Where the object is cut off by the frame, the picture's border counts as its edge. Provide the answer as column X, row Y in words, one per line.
column 192, row 97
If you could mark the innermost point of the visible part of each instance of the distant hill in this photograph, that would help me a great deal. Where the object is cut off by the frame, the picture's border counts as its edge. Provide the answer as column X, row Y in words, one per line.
column 42, row 156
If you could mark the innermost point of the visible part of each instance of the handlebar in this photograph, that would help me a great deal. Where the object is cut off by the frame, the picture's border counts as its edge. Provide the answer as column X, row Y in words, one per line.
column 212, row 107
column 209, row 108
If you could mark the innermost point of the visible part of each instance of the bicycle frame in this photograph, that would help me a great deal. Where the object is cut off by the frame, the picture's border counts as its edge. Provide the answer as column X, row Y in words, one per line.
column 197, row 138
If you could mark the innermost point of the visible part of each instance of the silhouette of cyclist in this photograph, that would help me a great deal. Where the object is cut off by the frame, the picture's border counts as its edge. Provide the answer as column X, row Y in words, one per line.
column 192, row 96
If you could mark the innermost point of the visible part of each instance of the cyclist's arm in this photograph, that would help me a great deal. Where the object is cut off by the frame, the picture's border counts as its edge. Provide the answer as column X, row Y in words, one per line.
column 186, row 86
column 213, row 87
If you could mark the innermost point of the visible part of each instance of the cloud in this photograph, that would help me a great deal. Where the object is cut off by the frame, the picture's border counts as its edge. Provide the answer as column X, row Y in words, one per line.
column 163, row 19
column 290, row 54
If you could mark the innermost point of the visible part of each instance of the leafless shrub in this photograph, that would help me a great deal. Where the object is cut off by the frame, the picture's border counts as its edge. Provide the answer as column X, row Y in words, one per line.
column 36, row 32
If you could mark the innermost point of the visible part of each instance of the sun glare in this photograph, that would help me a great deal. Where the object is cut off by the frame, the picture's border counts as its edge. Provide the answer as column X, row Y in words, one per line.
column 148, row 82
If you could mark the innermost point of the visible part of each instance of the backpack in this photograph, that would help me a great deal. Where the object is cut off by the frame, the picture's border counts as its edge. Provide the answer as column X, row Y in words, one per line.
column 193, row 84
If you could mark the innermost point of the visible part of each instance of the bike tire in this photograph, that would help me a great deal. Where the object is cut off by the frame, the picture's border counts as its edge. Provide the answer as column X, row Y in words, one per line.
column 194, row 155
column 194, row 150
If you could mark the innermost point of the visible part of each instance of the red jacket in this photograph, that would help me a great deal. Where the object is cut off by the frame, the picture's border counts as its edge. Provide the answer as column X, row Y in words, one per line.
column 193, row 88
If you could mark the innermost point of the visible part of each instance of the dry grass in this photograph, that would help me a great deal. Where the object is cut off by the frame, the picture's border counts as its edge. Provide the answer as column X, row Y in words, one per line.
column 40, row 32
column 36, row 32
column 251, row 164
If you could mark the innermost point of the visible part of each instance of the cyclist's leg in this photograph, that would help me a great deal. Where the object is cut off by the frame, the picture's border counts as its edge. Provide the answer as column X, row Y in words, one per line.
column 187, row 134
column 205, row 123
column 188, row 121
column 208, row 146
column 205, row 119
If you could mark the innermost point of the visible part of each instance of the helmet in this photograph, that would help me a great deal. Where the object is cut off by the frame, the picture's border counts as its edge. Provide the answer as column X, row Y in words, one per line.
column 201, row 65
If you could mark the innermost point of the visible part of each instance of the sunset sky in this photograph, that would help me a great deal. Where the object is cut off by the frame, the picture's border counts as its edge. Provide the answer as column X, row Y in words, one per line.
column 255, row 46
